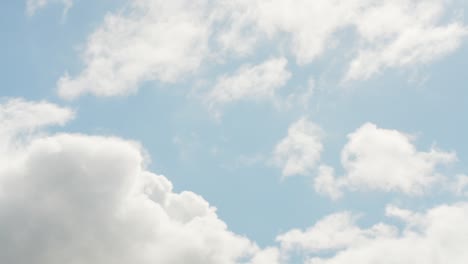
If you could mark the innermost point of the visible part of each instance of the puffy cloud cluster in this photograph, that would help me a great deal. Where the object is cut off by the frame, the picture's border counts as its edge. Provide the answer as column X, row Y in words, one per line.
column 169, row 40
column 382, row 159
column 299, row 151
column 154, row 40
column 72, row 198
column 436, row 236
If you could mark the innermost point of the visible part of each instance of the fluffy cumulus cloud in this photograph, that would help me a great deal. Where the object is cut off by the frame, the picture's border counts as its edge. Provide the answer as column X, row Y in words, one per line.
column 382, row 159
column 72, row 198
column 32, row 6
column 255, row 82
column 436, row 236
column 299, row 152
column 155, row 40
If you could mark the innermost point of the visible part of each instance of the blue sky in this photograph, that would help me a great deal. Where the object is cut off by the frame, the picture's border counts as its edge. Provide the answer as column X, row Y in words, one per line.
column 171, row 101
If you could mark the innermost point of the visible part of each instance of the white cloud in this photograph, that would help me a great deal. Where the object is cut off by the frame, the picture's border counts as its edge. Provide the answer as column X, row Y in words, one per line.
column 72, row 198
column 20, row 116
column 386, row 160
column 310, row 25
column 334, row 232
column 32, row 6
column 300, row 150
column 20, row 120
column 327, row 183
column 388, row 33
column 255, row 82
column 437, row 236
column 415, row 45
column 169, row 40
column 153, row 40
column 267, row 256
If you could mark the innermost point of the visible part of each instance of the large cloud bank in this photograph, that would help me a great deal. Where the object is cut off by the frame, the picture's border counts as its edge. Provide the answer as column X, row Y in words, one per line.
column 72, row 198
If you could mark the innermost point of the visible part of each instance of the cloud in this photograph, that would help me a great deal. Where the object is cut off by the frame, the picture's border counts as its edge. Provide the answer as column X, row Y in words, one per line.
column 299, row 151
column 386, row 160
column 388, row 34
column 169, row 41
column 255, row 82
column 267, row 256
column 334, row 232
column 436, row 236
column 152, row 40
column 326, row 183
column 32, row 6
column 413, row 46
column 73, row 198
column 20, row 116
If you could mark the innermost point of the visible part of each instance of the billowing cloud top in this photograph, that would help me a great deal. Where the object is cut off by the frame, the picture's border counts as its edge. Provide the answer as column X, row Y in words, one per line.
column 72, row 198
column 386, row 160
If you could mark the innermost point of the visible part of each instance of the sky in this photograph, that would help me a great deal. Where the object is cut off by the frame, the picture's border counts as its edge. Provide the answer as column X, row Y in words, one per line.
column 233, row 131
